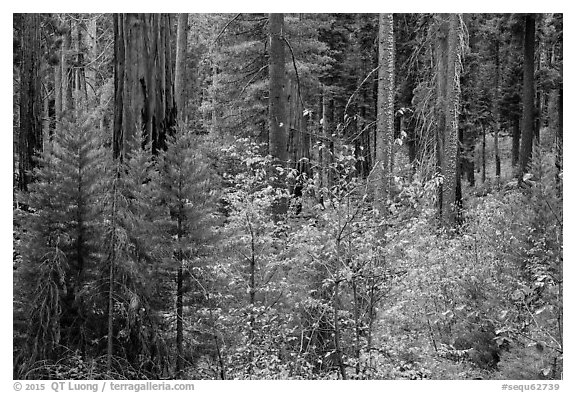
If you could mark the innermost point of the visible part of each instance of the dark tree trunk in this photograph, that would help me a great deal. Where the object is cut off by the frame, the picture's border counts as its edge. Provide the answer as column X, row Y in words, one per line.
column 483, row 155
column 559, row 141
column 30, row 137
column 181, row 43
column 528, row 95
column 515, row 140
column 498, row 94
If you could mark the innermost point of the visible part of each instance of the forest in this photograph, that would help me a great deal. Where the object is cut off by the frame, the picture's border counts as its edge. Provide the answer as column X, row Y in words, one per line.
column 287, row 196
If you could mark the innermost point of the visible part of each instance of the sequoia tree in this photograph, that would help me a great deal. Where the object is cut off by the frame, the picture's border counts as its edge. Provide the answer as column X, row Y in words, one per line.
column 144, row 110
column 30, row 137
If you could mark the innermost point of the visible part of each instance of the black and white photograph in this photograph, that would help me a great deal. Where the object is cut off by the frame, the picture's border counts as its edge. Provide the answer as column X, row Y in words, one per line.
column 287, row 196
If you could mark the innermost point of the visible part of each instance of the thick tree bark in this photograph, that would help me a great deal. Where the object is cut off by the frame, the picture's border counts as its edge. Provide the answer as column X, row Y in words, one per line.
column 277, row 137
column 181, row 43
column 385, row 113
column 450, row 169
column 30, row 137
column 278, row 133
column 528, row 95
column 441, row 80
column 144, row 100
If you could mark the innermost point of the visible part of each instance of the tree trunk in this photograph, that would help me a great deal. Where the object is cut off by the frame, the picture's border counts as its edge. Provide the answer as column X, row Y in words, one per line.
column 57, row 98
column 278, row 137
column 30, row 137
column 66, row 70
column 515, row 140
column 326, row 140
column 440, row 115
column 278, row 133
column 450, row 170
column 180, row 70
column 179, row 303
column 483, row 155
column 144, row 103
column 498, row 94
column 385, row 113
column 337, row 346
column 559, row 142
column 528, row 95
column 91, row 42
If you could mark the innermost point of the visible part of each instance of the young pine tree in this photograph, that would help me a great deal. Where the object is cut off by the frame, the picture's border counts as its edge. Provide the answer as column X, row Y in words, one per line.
column 58, row 248
column 182, row 189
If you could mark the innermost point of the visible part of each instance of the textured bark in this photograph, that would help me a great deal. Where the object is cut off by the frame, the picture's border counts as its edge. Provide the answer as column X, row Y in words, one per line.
column 441, row 80
column 91, row 43
column 498, row 94
column 119, row 77
column 278, row 131
column 385, row 112
column 144, row 109
column 66, row 71
column 57, row 97
column 181, row 43
column 559, row 141
column 515, row 140
column 277, row 137
column 528, row 95
column 30, row 137
column 450, row 170
column 327, row 146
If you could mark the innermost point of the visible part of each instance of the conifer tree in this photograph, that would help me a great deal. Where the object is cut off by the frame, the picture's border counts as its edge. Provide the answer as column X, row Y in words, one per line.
column 182, row 189
column 59, row 249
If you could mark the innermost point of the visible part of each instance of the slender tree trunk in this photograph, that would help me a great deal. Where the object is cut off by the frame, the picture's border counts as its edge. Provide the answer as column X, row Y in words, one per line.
column 91, row 42
column 515, row 140
column 385, row 113
column 119, row 77
column 356, row 326
column 327, row 139
column 528, row 95
column 559, row 142
column 497, row 127
column 181, row 43
column 66, row 71
column 337, row 346
column 30, row 137
column 450, row 170
column 497, row 153
column 110, row 341
column 57, row 98
column 179, row 304
column 483, row 155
